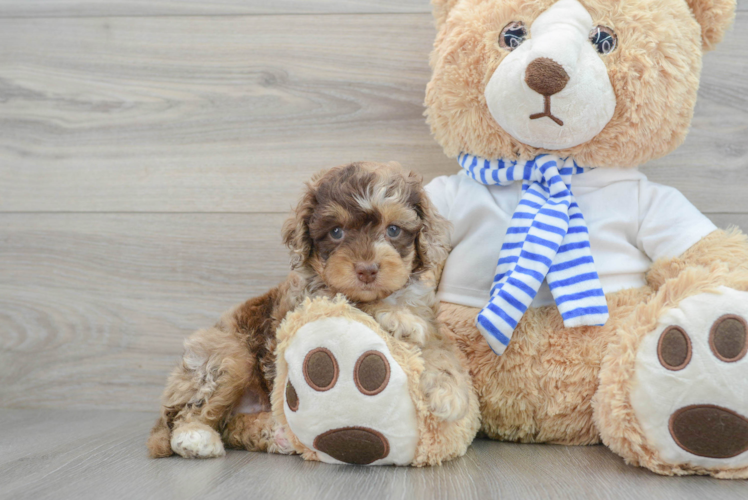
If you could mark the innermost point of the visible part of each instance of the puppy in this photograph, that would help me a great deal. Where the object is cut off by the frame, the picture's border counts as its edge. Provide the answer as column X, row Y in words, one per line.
column 364, row 230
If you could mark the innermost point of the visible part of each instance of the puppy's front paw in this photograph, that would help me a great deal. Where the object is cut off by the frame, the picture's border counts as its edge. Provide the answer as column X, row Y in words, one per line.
column 196, row 440
column 446, row 397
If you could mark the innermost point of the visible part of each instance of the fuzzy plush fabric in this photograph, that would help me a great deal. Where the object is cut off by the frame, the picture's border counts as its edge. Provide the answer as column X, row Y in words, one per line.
column 718, row 260
column 573, row 385
column 657, row 63
column 437, row 440
column 540, row 390
column 567, row 93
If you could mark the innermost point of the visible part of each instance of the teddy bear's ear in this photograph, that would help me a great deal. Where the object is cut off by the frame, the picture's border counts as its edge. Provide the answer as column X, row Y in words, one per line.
column 441, row 9
column 714, row 16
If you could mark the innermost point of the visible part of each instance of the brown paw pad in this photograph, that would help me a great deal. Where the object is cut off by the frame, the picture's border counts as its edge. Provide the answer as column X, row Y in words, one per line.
column 320, row 369
column 710, row 431
column 292, row 399
column 371, row 373
column 727, row 338
column 674, row 348
column 353, row 445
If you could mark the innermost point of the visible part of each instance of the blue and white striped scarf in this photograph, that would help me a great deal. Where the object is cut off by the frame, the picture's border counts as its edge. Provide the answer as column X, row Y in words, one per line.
column 547, row 239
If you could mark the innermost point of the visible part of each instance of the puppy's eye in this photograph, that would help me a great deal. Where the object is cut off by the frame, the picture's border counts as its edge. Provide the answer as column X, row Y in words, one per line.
column 336, row 233
column 512, row 35
column 604, row 39
column 393, row 231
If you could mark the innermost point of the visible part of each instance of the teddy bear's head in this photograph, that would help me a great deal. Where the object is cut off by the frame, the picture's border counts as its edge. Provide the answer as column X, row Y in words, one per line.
column 609, row 82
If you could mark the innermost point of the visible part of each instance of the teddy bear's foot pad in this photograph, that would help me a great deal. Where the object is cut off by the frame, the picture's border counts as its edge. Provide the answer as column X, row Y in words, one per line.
column 353, row 445
column 690, row 393
column 346, row 397
column 710, row 431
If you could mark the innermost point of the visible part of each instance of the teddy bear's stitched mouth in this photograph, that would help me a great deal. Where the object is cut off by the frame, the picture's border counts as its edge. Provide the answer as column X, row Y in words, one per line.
column 547, row 112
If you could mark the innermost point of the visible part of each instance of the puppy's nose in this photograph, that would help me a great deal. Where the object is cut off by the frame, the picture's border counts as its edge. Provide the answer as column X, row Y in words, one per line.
column 366, row 272
column 545, row 76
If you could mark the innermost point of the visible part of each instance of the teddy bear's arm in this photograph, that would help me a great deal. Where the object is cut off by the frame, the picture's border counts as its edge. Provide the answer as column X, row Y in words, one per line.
column 728, row 247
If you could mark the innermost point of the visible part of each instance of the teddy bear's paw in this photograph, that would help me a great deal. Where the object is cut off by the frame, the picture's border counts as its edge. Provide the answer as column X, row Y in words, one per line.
column 690, row 390
column 196, row 440
column 346, row 397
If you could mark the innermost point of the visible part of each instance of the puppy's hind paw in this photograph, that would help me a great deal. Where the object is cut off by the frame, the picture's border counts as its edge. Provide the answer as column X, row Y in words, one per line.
column 196, row 440
column 281, row 443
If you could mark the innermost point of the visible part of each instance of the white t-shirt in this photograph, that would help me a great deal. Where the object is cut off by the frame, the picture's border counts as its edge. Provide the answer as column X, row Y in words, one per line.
column 632, row 222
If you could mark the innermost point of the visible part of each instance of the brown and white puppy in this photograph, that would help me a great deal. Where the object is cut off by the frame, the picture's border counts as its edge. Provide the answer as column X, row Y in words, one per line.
column 365, row 230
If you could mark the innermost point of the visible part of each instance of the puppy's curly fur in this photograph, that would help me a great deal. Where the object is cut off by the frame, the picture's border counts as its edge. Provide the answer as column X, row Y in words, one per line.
column 365, row 230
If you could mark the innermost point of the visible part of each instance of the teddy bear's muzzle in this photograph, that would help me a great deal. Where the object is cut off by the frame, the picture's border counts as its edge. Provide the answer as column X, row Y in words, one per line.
column 546, row 77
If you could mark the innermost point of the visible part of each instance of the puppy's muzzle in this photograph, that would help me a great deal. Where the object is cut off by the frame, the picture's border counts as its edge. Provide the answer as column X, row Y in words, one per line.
column 366, row 272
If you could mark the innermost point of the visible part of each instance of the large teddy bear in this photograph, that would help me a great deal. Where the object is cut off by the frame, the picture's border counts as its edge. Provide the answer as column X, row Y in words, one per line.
column 616, row 312
column 590, row 304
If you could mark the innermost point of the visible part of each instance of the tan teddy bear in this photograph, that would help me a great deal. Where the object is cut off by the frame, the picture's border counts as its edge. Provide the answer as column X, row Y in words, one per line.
column 616, row 312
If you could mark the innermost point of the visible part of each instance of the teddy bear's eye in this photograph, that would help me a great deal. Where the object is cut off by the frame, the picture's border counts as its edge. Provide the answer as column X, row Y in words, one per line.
column 604, row 39
column 512, row 35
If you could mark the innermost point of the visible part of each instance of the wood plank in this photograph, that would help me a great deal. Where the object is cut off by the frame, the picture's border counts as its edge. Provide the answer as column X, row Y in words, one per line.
column 94, row 8
column 218, row 114
column 90, row 350
column 222, row 257
column 233, row 114
column 94, row 307
column 84, row 454
column 176, row 256
column 725, row 220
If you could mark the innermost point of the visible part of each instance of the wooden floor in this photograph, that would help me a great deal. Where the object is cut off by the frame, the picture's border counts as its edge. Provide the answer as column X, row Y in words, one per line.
column 80, row 454
column 149, row 151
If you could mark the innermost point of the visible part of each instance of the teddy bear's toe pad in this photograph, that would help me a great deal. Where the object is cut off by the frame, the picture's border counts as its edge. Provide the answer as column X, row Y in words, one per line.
column 346, row 397
column 689, row 386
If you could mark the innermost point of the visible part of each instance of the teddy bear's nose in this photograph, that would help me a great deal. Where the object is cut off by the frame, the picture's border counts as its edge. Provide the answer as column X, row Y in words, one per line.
column 545, row 76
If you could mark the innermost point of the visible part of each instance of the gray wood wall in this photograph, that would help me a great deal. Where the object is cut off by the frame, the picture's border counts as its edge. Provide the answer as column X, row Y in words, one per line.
column 150, row 149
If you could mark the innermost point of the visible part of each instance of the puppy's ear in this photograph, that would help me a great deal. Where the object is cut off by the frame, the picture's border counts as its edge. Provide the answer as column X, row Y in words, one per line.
column 715, row 17
column 433, row 242
column 296, row 228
